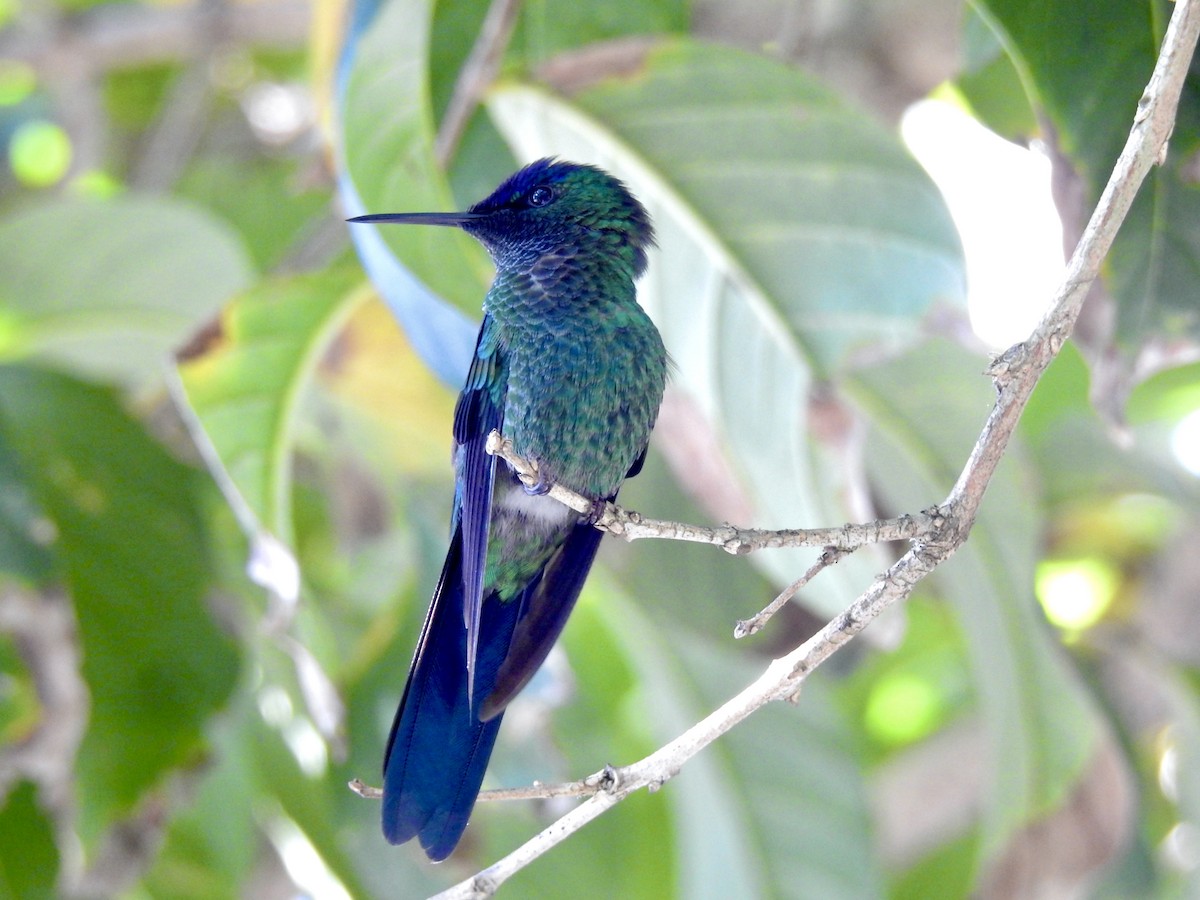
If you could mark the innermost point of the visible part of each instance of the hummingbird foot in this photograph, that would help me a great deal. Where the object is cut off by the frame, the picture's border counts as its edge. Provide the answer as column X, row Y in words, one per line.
column 599, row 508
column 537, row 487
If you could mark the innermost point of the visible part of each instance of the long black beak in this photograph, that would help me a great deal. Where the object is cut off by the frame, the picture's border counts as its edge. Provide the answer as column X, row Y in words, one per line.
column 456, row 219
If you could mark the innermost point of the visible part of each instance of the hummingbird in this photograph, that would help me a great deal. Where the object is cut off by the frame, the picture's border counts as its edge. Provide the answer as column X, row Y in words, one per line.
column 569, row 367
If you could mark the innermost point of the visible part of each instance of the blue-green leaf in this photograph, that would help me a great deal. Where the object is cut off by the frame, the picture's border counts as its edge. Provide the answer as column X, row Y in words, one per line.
column 925, row 409
column 110, row 288
column 132, row 546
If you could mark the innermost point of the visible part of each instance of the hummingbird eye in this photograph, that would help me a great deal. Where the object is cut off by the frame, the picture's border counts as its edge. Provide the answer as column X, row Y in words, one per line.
column 540, row 196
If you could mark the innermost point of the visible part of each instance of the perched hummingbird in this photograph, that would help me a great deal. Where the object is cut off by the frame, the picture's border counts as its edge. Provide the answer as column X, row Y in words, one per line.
column 569, row 367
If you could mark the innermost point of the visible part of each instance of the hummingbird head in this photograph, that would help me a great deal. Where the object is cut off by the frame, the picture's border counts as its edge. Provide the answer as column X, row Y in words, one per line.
column 551, row 204
column 547, row 206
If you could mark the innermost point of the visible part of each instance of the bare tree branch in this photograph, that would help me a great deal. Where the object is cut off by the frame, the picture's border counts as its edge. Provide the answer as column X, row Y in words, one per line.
column 831, row 556
column 43, row 629
column 1015, row 374
column 633, row 526
column 585, row 787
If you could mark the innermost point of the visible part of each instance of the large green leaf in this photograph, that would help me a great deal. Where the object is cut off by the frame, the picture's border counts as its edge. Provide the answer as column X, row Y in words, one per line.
column 1075, row 453
column 388, row 130
column 245, row 384
column 28, row 854
column 210, row 847
column 989, row 83
column 1084, row 67
column 133, row 548
column 776, row 807
column 793, row 232
column 925, row 410
column 110, row 288
column 23, row 533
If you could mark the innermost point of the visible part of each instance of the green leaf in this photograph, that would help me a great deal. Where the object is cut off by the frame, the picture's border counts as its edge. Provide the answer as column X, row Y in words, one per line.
column 551, row 27
column 990, row 83
column 776, row 807
column 1063, row 49
column 1085, row 66
column 1074, row 450
column 925, row 410
column 211, row 845
column 388, row 131
column 110, row 288
column 262, row 201
column 28, row 854
column 133, row 550
column 245, row 384
column 24, row 530
column 794, row 232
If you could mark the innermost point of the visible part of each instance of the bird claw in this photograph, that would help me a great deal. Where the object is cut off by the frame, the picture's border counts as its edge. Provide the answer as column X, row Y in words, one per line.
column 599, row 508
column 539, row 487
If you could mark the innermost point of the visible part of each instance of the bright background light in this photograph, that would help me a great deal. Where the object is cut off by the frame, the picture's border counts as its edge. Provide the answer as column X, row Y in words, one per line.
column 903, row 707
column 1076, row 593
column 304, row 864
column 1185, row 442
column 39, row 153
column 999, row 196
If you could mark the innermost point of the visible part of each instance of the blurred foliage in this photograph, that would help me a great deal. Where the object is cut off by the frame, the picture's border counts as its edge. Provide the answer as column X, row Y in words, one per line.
column 805, row 273
column 1045, row 59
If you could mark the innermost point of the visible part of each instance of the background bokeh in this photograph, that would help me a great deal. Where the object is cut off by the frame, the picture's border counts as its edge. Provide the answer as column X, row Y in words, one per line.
column 224, row 443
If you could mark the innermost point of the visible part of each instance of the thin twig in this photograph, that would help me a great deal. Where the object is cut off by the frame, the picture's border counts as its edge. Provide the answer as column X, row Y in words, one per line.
column 585, row 787
column 477, row 73
column 1015, row 374
column 633, row 526
column 830, row 556
column 366, row 791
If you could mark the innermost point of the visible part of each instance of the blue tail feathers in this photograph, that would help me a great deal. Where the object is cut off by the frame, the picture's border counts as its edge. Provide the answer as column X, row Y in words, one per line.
column 439, row 746
column 439, row 749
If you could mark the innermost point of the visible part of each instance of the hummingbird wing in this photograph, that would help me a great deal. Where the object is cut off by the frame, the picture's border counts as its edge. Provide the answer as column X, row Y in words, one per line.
column 545, row 605
column 479, row 411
